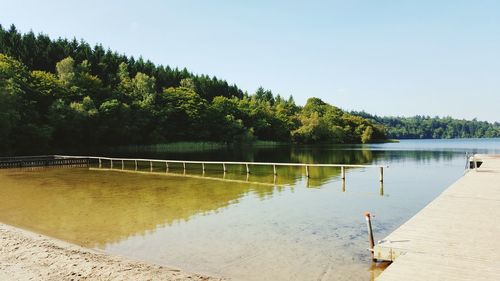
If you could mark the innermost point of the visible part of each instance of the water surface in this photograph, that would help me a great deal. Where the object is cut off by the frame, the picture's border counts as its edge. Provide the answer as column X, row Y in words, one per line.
column 256, row 227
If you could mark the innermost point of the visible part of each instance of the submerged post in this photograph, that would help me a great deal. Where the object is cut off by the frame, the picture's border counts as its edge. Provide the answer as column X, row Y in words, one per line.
column 342, row 172
column 381, row 174
column 368, row 218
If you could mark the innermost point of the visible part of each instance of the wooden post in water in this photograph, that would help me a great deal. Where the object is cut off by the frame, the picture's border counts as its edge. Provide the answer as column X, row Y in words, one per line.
column 248, row 170
column 307, row 171
column 342, row 172
column 224, row 167
column 381, row 174
column 166, row 166
column 123, row 165
column 203, row 167
column 111, row 163
column 135, row 164
column 184, row 165
column 151, row 166
column 100, row 163
column 368, row 218
column 274, row 170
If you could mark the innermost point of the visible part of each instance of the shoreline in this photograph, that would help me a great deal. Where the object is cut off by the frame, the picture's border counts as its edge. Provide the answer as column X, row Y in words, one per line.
column 26, row 255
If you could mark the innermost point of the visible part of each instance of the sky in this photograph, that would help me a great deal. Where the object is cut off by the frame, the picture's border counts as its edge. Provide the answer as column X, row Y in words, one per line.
column 398, row 58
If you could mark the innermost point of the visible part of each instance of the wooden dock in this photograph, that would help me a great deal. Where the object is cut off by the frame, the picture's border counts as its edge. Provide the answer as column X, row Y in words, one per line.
column 455, row 237
column 40, row 161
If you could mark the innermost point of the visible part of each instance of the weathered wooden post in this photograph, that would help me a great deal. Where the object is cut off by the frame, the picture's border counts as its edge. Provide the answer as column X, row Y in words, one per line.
column 123, row 165
column 274, row 170
column 307, row 171
column 368, row 218
column 224, row 167
column 381, row 174
column 184, row 166
column 248, row 169
column 100, row 163
column 343, row 185
column 111, row 163
column 203, row 167
column 135, row 161
column 166, row 166
column 151, row 166
column 342, row 172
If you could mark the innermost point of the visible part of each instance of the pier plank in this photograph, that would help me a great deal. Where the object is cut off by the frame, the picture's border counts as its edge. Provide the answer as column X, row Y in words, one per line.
column 455, row 237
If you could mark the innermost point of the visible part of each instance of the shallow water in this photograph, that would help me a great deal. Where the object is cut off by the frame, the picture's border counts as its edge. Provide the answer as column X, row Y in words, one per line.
column 258, row 227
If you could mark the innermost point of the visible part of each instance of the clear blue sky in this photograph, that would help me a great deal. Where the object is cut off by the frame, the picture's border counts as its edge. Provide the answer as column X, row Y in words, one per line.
column 386, row 57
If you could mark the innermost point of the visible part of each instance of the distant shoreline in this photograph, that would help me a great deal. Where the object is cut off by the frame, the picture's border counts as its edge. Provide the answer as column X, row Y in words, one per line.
column 25, row 255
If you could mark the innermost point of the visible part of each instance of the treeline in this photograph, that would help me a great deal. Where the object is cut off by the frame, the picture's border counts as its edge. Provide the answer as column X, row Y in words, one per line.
column 65, row 93
column 426, row 127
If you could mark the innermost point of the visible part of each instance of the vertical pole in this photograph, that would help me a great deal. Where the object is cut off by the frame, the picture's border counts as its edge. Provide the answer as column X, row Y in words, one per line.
column 135, row 161
column 166, row 166
column 381, row 188
column 100, row 163
column 343, row 185
column 151, row 166
column 184, row 165
column 224, row 167
column 274, row 170
column 248, row 170
column 342, row 172
column 123, row 165
column 381, row 174
column 307, row 171
column 368, row 218
column 203, row 167
column 111, row 163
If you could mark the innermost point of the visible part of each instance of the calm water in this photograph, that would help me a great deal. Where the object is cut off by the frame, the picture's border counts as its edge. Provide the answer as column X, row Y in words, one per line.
column 259, row 227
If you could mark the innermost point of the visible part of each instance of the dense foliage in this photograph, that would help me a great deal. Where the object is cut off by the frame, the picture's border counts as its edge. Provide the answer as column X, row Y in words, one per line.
column 61, row 93
column 425, row 127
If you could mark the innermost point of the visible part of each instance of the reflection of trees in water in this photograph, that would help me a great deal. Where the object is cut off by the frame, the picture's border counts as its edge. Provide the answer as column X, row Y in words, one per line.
column 94, row 208
column 325, row 154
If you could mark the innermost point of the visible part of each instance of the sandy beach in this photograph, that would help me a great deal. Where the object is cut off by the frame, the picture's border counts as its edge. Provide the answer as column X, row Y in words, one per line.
column 26, row 255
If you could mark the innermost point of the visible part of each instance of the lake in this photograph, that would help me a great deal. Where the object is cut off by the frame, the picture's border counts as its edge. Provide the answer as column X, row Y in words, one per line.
column 255, row 227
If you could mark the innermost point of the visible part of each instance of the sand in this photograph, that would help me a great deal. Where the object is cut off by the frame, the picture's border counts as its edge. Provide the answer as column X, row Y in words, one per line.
column 29, row 256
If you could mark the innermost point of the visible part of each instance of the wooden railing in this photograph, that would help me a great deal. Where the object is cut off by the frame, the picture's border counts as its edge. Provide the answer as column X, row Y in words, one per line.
column 222, row 164
column 40, row 161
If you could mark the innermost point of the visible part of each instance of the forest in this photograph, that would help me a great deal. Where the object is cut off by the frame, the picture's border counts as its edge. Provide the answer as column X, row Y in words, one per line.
column 60, row 93
column 64, row 93
column 426, row 127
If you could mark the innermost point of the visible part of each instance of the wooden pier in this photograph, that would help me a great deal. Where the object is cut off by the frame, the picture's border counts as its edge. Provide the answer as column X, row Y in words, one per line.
column 40, row 161
column 456, row 236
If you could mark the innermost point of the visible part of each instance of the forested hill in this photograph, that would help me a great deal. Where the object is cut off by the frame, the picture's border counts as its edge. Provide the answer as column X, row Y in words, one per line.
column 425, row 127
column 65, row 93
